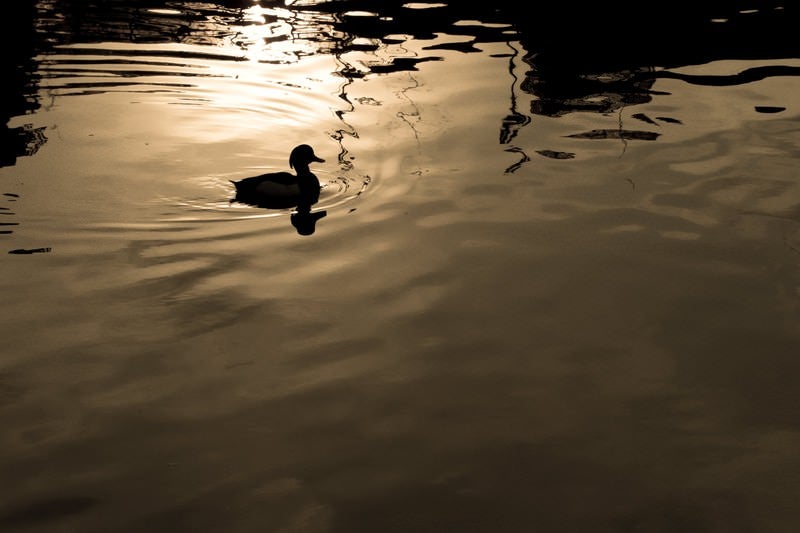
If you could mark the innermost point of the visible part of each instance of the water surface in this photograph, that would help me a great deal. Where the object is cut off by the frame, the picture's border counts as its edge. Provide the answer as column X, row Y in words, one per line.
column 544, row 296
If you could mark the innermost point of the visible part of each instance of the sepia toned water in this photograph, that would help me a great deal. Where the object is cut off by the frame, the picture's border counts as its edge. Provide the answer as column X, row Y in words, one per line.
column 534, row 298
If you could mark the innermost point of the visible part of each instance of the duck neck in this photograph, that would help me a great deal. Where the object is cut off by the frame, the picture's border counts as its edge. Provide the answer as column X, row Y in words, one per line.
column 302, row 170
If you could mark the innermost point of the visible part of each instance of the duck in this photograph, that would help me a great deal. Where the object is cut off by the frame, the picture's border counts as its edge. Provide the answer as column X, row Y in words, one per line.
column 279, row 190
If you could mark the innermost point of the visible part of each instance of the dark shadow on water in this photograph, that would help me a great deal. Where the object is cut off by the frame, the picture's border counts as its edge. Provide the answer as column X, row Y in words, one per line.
column 604, row 56
column 29, row 251
column 19, row 87
column 7, row 222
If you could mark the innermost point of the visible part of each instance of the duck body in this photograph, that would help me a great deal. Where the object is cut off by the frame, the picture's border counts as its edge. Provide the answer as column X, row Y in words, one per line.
column 279, row 190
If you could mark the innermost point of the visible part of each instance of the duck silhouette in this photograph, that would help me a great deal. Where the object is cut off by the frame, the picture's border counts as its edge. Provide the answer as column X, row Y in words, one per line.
column 280, row 190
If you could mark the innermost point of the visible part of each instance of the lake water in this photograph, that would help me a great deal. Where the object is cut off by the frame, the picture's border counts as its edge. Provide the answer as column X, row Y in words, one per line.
column 535, row 297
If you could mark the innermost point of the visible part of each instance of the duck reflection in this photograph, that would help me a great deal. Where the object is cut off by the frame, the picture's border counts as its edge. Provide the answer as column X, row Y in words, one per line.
column 281, row 190
column 305, row 222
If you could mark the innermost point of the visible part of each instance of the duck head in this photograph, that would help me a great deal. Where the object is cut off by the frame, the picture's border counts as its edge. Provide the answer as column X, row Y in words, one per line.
column 302, row 156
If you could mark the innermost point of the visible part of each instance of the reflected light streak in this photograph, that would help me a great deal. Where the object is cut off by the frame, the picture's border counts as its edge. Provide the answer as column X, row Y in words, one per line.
column 417, row 5
column 359, row 14
column 280, row 35
column 159, row 11
column 481, row 24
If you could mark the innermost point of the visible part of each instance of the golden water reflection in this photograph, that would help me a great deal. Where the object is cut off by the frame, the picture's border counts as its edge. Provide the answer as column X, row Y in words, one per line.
column 569, row 309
